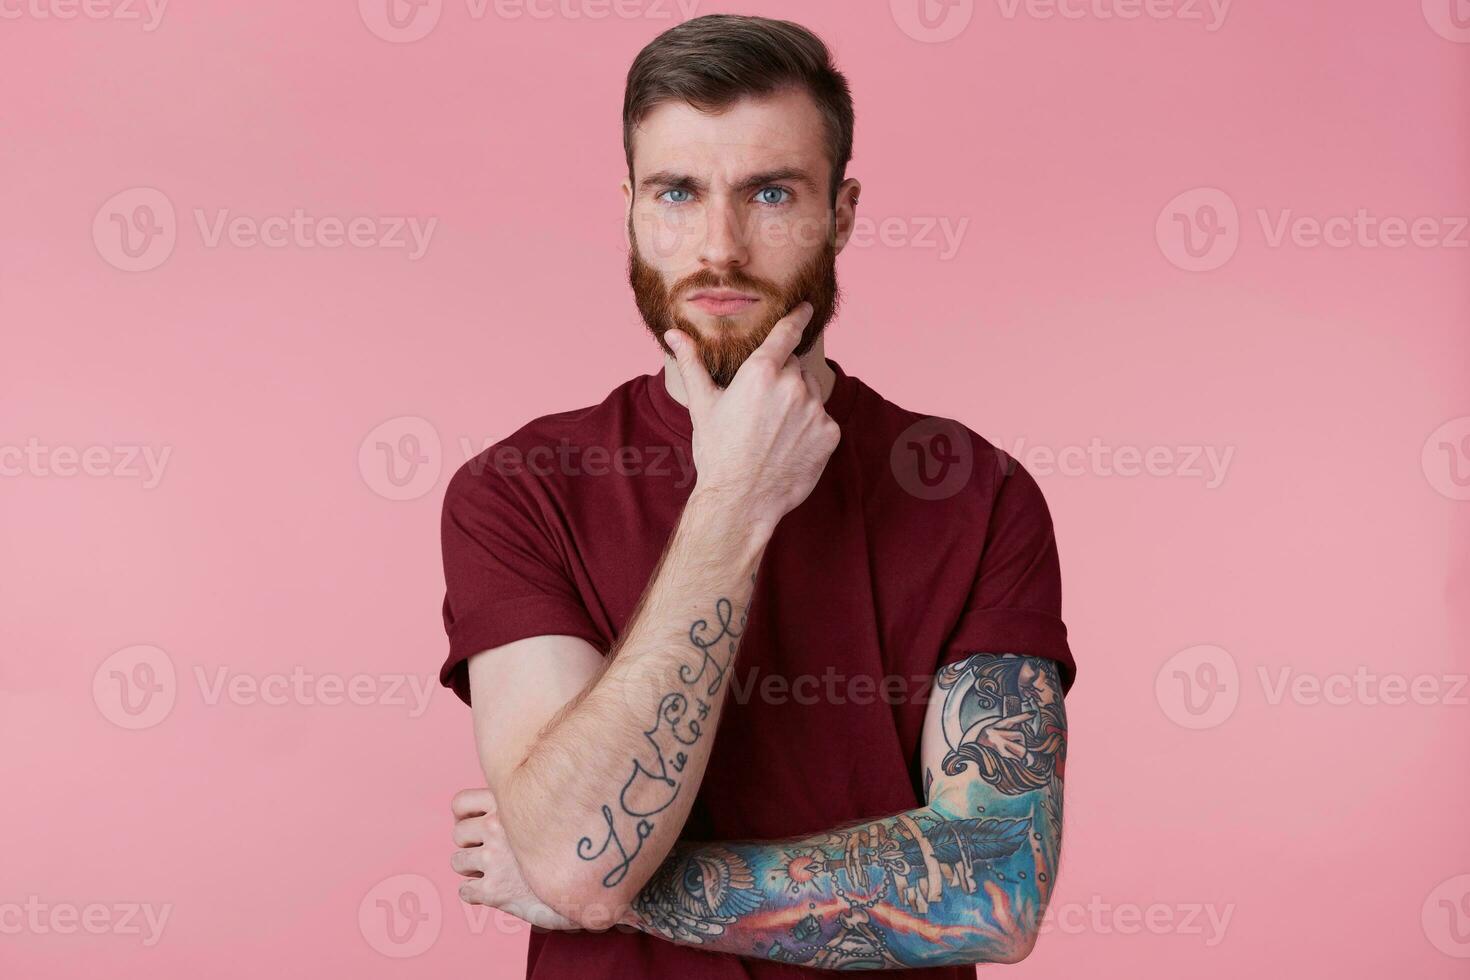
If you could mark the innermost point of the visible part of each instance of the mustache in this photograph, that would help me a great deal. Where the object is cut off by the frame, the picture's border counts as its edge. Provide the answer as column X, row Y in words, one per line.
column 734, row 279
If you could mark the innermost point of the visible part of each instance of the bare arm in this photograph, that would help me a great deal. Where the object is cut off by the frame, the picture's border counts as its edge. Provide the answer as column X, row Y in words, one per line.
column 593, row 791
column 607, row 785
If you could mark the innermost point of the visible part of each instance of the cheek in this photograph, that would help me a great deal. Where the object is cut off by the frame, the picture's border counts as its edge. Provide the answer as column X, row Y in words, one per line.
column 790, row 237
column 668, row 237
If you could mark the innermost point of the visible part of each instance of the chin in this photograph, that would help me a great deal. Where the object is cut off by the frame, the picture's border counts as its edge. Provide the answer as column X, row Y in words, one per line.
column 708, row 323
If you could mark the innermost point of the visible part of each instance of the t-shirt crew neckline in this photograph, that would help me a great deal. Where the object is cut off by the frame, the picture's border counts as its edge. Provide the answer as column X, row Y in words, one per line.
column 676, row 416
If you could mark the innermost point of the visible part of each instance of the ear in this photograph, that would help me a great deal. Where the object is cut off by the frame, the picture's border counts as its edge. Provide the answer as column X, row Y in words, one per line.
column 627, row 212
column 845, row 209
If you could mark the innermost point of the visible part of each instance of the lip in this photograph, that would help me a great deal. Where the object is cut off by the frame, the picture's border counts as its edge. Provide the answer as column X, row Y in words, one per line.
column 722, row 302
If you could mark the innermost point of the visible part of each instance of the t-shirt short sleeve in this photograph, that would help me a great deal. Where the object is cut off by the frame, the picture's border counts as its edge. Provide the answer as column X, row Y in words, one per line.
column 1015, row 605
column 504, row 578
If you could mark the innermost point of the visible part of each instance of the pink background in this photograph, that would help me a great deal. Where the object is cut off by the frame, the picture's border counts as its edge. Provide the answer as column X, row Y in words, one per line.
column 1332, row 834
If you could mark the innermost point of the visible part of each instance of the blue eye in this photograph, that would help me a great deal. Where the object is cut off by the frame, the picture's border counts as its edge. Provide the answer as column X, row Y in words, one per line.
column 674, row 190
column 768, row 190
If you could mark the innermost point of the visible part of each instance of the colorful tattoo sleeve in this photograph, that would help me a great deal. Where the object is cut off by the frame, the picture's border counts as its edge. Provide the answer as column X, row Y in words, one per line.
column 963, row 879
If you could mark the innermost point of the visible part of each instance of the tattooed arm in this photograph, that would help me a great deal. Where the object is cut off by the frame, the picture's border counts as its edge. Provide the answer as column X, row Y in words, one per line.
column 963, row 879
column 593, row 784
column 593, row 800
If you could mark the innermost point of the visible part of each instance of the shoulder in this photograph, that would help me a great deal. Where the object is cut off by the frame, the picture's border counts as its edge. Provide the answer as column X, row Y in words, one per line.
column 513, row 465
column 931, row 457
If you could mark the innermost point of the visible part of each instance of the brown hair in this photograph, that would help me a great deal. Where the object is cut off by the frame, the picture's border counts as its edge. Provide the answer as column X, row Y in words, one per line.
column 711, row 62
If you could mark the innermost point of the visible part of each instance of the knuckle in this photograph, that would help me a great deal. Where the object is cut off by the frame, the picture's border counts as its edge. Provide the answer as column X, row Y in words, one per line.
column 762, row 368
column 791, row 386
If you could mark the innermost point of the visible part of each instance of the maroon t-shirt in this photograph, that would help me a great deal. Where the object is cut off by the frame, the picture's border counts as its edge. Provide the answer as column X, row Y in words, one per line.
column 920, row 545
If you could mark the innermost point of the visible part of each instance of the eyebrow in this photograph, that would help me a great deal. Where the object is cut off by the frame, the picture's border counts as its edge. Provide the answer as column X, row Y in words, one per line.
column 672, row 179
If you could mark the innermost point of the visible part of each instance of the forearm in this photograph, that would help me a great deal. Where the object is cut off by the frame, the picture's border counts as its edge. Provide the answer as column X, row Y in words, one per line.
column 922, row 888
column 604, row 792
column 964, row 879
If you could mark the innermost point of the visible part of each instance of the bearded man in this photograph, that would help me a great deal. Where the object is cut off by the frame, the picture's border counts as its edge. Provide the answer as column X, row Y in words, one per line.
column 804, row 711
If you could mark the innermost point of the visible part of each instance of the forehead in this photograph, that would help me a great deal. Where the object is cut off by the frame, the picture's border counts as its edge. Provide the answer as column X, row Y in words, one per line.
column 782, row 129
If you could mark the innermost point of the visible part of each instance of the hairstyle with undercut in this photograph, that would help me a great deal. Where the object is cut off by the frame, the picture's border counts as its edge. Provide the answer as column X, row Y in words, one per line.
column 711, row 62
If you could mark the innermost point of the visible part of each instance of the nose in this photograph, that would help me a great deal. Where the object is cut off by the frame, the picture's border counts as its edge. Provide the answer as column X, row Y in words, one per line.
column 724, row 238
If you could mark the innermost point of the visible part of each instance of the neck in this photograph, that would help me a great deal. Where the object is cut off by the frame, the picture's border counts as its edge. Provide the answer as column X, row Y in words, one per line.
column 814, row 362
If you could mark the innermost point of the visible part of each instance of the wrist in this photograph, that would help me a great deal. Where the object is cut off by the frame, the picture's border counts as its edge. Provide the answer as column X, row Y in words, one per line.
column 730, row 516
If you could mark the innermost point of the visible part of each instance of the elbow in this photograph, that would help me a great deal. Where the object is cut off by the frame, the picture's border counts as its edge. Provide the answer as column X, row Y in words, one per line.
column 1008, row 940
column 1012, row 948
column 581, row 898
column 569, row 886
column 1018, row 949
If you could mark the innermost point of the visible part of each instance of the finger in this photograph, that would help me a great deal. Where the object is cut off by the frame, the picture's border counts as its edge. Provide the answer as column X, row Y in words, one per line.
column 697, row 382
column 469, row 832
column 468, row 861
column 1011, row 721
column 472, row 803
column 785, row 335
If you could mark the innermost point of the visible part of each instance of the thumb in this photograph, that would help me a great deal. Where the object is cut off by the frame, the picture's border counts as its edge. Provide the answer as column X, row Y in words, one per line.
column 697, row 382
